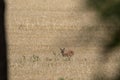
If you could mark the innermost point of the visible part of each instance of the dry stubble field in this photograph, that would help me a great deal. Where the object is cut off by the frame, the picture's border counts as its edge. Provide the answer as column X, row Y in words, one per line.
column 37, row 29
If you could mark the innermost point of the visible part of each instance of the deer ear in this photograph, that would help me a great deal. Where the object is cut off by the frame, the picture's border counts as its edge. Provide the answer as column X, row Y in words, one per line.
column 61, row 49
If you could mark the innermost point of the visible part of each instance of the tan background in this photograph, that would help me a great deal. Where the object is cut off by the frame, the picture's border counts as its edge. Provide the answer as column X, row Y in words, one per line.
column 36, row 29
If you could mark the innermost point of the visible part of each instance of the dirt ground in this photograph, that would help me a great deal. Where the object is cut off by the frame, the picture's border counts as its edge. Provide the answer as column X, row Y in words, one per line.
column 37, row 29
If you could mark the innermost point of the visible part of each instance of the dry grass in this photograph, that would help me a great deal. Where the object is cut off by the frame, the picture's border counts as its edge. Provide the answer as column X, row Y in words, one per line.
column 48, row 67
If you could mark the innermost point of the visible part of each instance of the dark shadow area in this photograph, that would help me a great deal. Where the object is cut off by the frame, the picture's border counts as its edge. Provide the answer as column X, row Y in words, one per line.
column 118, row 76
column 3, row 50
column 115, row 42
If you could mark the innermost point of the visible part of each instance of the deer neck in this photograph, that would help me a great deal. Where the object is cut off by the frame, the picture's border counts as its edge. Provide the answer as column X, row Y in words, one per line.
column 62, row 54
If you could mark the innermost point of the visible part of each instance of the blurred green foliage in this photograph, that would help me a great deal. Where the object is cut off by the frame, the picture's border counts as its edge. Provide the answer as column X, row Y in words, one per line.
column 106, row 8
column 61, row 78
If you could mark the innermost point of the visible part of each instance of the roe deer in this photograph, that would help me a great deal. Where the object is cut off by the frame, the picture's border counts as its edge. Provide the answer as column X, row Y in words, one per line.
column 66, row 53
